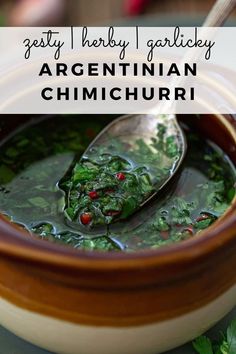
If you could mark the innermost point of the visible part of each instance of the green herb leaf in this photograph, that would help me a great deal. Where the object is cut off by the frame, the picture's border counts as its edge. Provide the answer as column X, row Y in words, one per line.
column 160, row 224
column 224, row 348
column 203, row 224
column 130, row 204
column 82, row 173
column 231, row 337
column 231, row 194
column 203, row 345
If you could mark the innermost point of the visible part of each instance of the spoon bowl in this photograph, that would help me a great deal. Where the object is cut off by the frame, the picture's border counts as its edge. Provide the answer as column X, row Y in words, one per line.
column 130, row 162
column 129, row 130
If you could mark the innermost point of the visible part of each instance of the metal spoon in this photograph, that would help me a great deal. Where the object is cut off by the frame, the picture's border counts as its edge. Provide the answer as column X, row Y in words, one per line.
column 219, row 13
column 130, row 128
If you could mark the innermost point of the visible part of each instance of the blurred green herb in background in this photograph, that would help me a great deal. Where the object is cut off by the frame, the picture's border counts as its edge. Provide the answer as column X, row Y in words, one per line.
column 227, row 345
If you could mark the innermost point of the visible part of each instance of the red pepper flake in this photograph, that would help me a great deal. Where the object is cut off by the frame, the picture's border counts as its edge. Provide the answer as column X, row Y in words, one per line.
column 113, row 212
column 202, row 217
column 86, row 218
column 189, row 229
column 164, row 235
column 120, row 176
column 93, row 195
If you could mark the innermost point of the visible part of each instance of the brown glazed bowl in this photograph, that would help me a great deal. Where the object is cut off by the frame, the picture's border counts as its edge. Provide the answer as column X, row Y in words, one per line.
column 146, row 302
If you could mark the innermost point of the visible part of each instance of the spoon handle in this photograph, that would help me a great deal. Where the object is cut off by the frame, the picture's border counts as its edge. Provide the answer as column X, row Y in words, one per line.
column 219, row 13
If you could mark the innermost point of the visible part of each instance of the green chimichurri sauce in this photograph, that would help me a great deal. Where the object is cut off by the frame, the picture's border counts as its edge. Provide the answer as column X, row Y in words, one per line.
column 36, row 189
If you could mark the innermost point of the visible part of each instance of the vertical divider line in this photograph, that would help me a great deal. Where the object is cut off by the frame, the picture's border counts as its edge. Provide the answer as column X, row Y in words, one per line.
column 137, row 37
column 72, row 37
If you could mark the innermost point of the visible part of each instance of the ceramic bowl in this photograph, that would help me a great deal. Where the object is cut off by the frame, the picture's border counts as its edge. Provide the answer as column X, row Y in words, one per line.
column 146, row 302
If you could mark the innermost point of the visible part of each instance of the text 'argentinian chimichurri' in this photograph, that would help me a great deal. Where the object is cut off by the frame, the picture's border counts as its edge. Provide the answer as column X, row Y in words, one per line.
column 40, row 174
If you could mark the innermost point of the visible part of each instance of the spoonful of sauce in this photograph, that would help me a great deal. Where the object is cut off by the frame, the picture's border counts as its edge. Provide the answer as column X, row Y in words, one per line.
column 126, row 165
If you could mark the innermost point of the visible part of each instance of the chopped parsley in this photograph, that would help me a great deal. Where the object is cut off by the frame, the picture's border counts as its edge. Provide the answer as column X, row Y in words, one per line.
column 47, row 189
